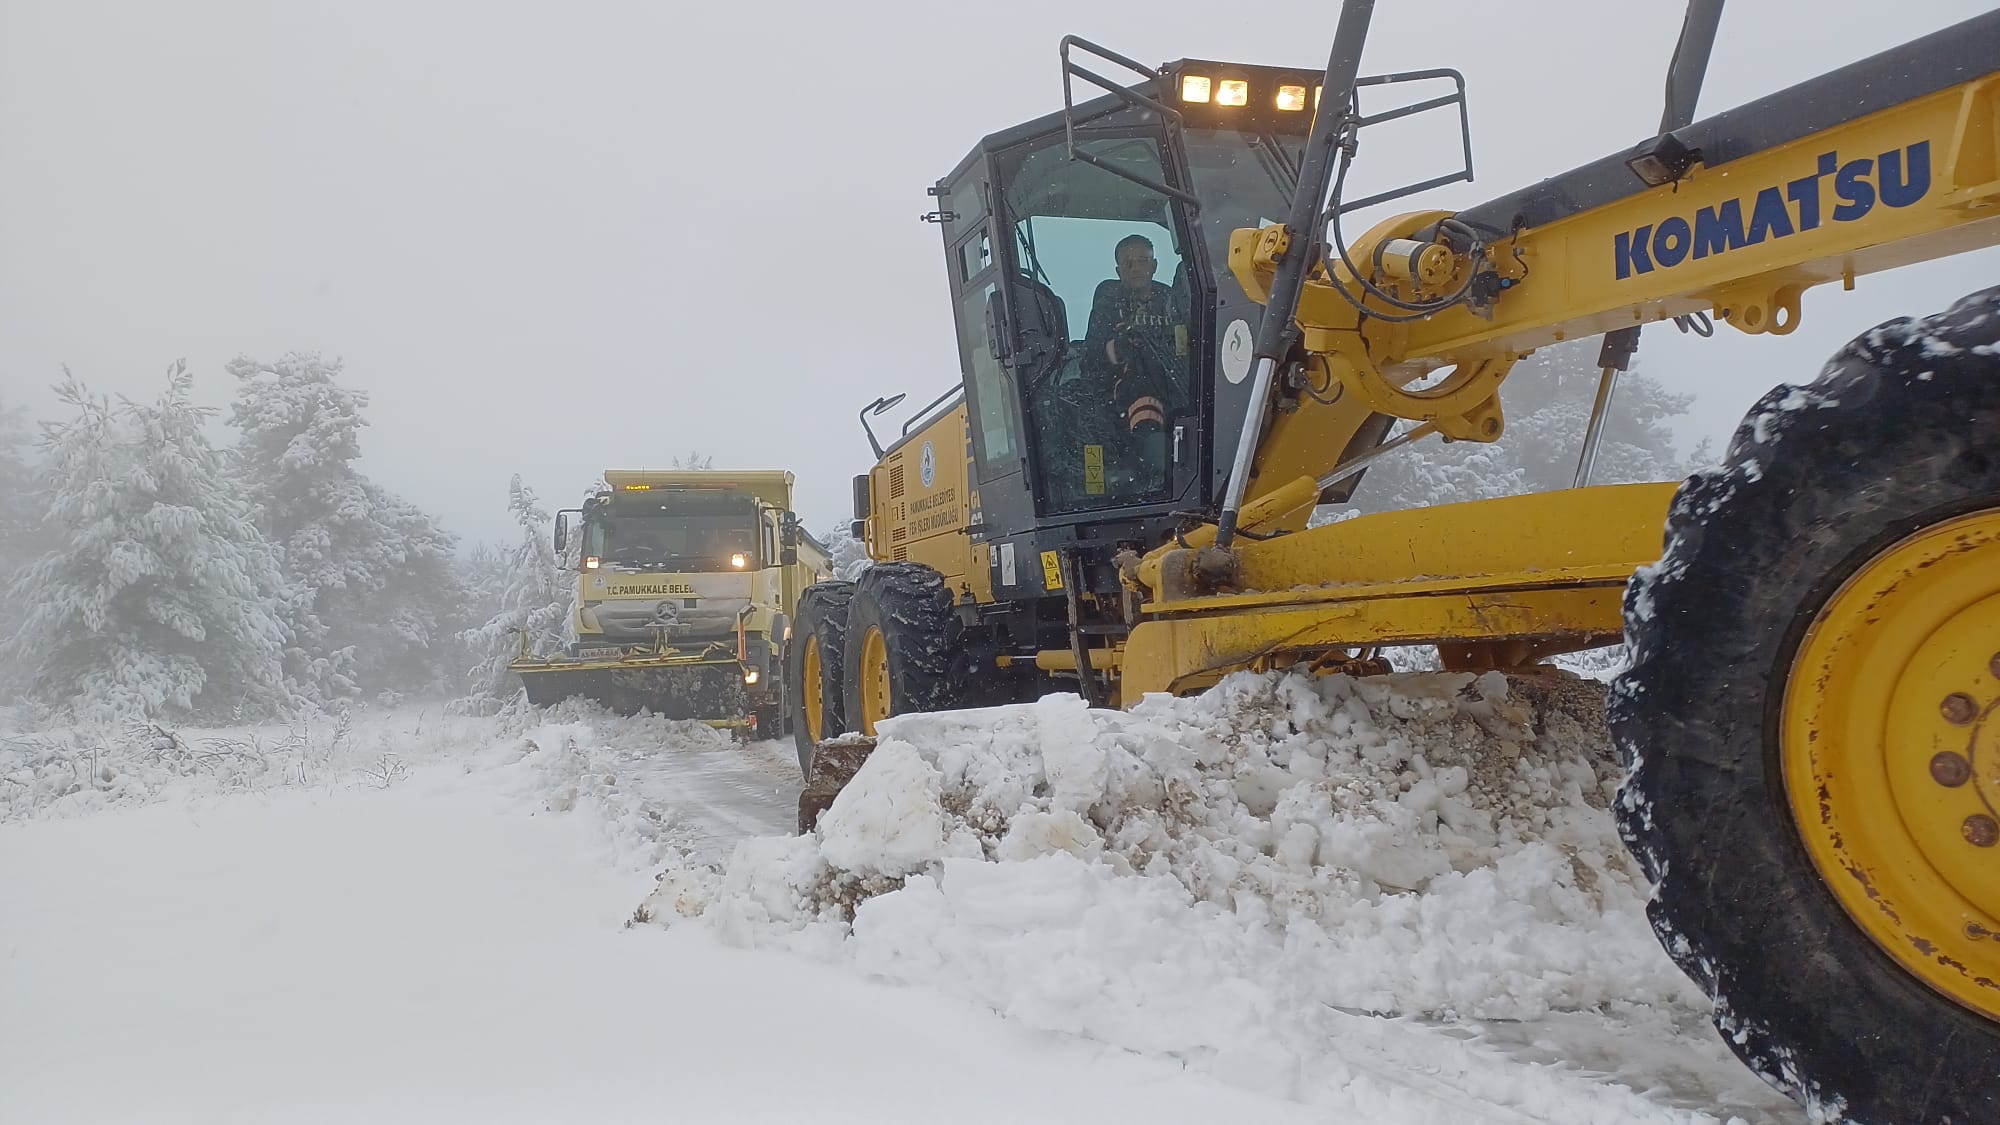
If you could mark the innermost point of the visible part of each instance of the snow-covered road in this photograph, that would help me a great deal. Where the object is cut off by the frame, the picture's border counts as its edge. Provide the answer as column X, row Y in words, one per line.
column 428, row 953
column 430, row 922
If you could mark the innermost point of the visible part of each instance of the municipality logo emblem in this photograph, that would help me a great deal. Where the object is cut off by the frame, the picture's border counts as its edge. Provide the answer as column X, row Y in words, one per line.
column 927, row 467
column 1237, row 347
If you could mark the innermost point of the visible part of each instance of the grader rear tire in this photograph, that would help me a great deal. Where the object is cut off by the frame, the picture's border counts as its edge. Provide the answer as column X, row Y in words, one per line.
column 812, row 668
column 903, row 646
column 1811, row 725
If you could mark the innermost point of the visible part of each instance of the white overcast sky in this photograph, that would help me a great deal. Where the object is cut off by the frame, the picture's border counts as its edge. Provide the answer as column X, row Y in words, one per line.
column 552, row 238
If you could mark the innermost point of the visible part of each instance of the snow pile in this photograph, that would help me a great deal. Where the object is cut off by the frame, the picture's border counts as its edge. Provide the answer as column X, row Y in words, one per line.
column 1227, row 878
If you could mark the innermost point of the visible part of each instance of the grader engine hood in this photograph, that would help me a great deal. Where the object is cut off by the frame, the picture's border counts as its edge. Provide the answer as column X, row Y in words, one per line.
column 688, row 606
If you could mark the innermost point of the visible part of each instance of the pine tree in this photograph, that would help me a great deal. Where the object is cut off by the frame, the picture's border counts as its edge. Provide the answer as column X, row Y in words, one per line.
column 537, row 597
column 848, row 554
column 378, row 593
column 20, row 516
column 17, row 515
column 1547, row 398
column 483, row 576
column 156, row 597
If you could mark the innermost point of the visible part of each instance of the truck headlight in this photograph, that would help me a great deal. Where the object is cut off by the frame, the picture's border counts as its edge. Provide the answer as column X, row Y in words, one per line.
column 591, row 562
column 739, row 560
column 1232, row 91
column 750, row 675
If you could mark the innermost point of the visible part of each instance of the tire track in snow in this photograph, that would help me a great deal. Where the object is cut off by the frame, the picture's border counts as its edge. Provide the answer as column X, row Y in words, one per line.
column 670, row 787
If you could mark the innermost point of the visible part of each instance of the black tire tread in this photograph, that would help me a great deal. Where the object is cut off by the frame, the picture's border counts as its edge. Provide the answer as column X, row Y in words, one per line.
column 1897, row 433
column 914, row 607
column 822, row 612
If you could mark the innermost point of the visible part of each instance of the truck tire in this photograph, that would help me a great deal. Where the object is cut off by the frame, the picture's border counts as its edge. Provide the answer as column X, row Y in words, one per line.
column 903, row 646
column 812, row 689
column 780, row 709
column 1811, row 726
column 770, row 721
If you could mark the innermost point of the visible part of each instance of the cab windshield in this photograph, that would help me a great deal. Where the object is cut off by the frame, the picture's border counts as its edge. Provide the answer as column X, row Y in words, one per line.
column 666, row 539
column 1105, row 294
column 1243, row 179
column 1101, row 295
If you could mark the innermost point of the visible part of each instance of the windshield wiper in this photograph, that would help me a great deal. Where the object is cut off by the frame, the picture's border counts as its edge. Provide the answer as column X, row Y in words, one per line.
column 1286, row 175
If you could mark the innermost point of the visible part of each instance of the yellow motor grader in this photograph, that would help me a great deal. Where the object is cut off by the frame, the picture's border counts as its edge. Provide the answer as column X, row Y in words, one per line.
column 1116, row 498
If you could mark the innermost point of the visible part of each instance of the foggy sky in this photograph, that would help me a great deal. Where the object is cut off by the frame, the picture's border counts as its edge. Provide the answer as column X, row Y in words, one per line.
column 557, row 238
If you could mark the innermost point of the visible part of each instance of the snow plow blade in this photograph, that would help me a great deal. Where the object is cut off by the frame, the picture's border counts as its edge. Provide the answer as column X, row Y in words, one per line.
column 674, row 687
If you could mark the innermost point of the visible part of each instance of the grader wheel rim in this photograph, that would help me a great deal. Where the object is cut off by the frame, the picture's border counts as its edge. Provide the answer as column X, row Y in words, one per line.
column 810, row 700
column 874, row 678
column 1890, row 746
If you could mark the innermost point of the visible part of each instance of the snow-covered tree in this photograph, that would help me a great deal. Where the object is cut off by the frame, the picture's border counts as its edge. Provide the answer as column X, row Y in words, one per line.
column 482, row 574
column 1547, row 400
column 156, row 596
column 17, row 513
column 379, row 594
column 696, row 462
column 537, row 596
column 849, row 554
column 20, row 516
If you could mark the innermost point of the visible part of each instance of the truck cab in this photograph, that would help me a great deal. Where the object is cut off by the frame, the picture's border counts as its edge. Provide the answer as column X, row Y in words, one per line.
column 686, row 583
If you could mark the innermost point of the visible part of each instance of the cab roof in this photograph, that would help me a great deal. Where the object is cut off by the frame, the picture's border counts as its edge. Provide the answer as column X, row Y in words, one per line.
column 768, row 486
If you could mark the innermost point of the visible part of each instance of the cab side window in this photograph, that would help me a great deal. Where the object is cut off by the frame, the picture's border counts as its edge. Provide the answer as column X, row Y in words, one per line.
column 982, row 341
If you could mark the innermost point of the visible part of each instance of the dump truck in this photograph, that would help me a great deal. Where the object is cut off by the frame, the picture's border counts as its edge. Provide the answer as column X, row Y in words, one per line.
column 687, row 582
column 1115, row 499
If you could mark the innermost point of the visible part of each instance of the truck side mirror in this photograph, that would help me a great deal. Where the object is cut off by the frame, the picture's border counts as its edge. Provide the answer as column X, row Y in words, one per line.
column 788, row 538
column 562, row 531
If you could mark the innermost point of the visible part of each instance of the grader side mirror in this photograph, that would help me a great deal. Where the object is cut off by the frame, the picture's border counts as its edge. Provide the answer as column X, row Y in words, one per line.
column 996, row 328
column 874, row 409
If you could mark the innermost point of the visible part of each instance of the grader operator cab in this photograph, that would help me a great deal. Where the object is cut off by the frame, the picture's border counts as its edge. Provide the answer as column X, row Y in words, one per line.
column 1172, row 352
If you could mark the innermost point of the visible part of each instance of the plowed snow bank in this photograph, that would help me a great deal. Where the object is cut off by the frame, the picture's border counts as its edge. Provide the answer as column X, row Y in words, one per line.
column 1227, row 877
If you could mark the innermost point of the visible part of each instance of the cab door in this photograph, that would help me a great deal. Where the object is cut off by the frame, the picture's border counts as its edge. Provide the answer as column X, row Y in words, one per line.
column 1108, row 314
column 1000, row 500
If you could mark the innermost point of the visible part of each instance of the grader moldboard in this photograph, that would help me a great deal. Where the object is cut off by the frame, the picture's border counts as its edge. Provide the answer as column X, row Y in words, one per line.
column 1115, row 501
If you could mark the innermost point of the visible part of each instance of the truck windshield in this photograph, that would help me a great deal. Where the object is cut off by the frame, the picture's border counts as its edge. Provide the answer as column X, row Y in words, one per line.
column 673, row 540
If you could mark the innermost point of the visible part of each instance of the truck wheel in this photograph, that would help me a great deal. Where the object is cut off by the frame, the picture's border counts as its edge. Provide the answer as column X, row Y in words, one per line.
column 1811, row 725
column 770, row 721
column 774, row 720
column 903, row 651
column 812, row 667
